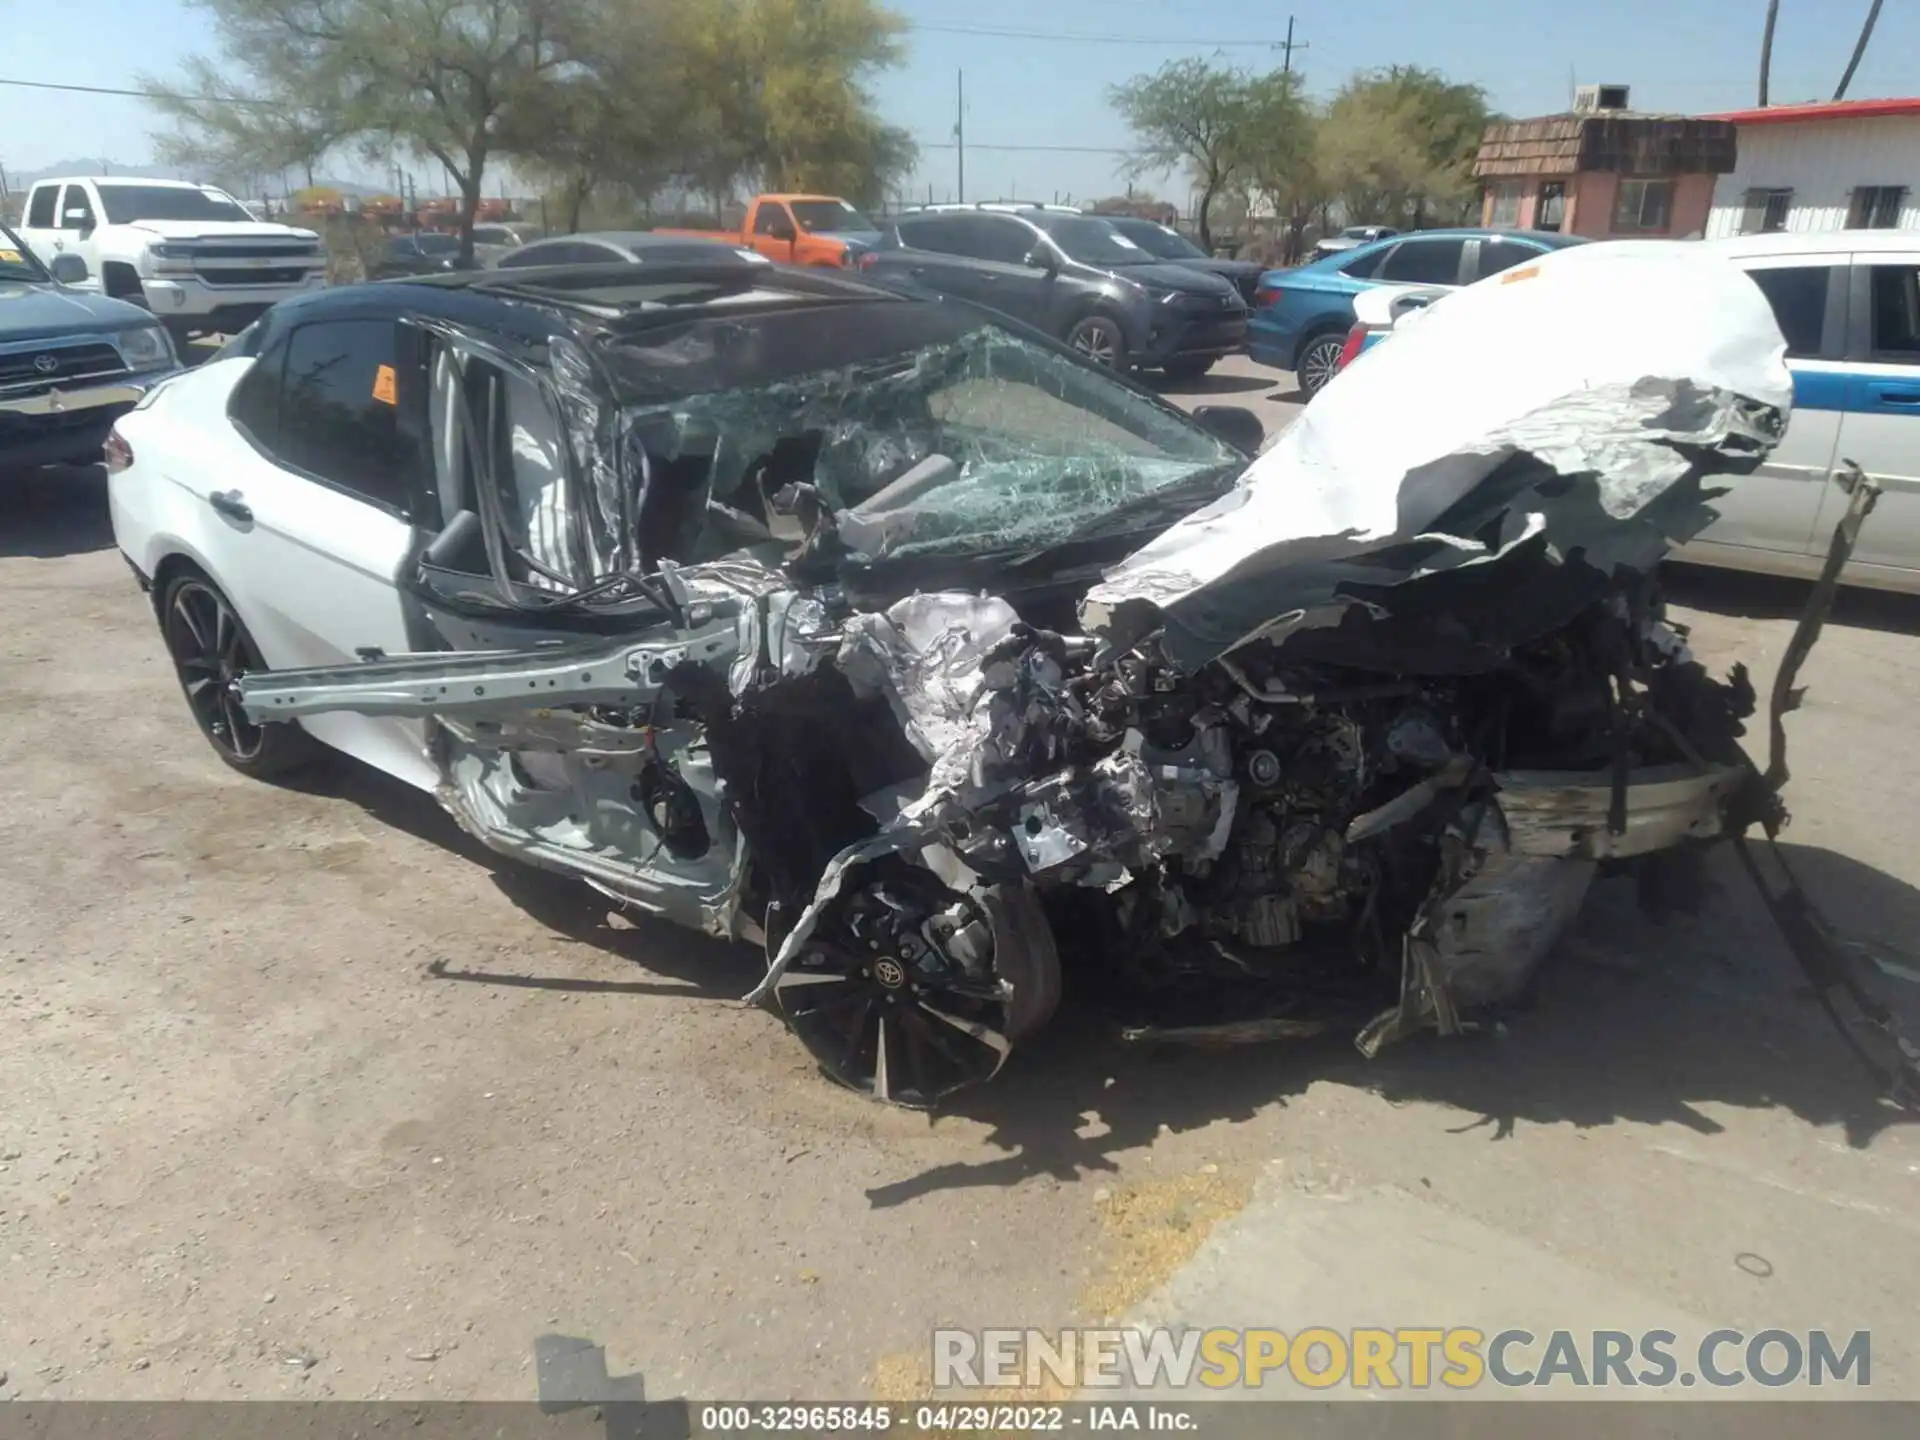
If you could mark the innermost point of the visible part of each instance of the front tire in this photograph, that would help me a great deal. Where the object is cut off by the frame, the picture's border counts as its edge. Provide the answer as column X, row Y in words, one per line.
column 1319, row 361
column 1098, row 338
column 210, row 648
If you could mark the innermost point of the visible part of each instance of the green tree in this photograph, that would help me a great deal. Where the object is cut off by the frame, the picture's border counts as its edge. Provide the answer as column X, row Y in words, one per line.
column 1188, row 115
column 1397, row 146
column 434, row 77
column 1279, row 148
column 777, row 96
column 610, row 116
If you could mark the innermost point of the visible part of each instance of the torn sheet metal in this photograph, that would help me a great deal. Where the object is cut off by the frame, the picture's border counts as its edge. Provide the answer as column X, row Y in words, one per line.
column 1636, row 373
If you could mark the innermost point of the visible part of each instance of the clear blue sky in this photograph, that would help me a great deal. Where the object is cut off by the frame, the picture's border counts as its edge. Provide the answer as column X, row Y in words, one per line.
column 1684, row 55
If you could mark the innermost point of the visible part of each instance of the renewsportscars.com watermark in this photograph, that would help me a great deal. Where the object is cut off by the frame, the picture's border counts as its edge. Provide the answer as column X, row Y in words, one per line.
column 1459, row 1358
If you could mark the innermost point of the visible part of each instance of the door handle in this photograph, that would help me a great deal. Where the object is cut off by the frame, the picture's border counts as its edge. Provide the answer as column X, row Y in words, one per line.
column 1895, row 394
column 229, row 504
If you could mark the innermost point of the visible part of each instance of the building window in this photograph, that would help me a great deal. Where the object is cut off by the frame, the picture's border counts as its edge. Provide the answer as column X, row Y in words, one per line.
column 1876, row 207
column 1765, row 212
column 1550, row 209
column 1505, row 210
column 1643, row 207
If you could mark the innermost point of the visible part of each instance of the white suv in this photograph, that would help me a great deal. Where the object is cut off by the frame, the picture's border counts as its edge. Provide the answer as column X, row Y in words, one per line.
column 189, row 253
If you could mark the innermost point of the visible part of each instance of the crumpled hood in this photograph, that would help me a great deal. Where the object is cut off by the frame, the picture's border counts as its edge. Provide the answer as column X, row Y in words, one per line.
column 31, row 312
column 222, row 230
column 1568, row 409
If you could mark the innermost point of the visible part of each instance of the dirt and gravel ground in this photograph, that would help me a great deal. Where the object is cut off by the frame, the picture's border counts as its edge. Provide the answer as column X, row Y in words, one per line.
column 306, row 1095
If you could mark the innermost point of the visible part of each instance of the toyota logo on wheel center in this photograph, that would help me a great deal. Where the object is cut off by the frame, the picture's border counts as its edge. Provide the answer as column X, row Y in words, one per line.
column 890, row 972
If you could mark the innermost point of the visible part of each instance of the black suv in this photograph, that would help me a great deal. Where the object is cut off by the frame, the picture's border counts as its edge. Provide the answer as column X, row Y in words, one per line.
column 1073, row 276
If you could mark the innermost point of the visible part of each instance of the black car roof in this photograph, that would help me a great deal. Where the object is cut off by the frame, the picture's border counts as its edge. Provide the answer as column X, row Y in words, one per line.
column 533, row 303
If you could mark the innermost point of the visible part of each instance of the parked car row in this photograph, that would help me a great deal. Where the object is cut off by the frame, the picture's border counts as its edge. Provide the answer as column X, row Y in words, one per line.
column 1123, row 292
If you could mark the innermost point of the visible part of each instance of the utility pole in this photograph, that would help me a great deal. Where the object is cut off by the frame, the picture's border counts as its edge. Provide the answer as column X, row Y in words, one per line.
column 960, row 128
column 1288, row 47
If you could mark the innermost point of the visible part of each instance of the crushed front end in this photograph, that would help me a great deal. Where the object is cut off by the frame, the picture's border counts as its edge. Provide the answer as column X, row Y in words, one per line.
column 1344, row 747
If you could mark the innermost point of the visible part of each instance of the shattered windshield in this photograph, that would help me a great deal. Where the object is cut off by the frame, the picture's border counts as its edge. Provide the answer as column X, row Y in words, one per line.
column 925, row 429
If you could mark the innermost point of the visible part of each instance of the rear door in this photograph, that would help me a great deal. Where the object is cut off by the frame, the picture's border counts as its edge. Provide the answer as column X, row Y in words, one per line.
column 934, row 254
column 999, row 276
column 319, row 481
column 1880, row 429
column 1774, row 509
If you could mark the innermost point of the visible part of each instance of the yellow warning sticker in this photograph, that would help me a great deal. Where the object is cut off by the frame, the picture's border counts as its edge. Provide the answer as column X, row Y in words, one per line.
column 385, row 387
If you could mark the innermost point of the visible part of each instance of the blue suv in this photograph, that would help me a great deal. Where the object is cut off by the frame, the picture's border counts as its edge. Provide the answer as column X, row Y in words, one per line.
column 1302, row 316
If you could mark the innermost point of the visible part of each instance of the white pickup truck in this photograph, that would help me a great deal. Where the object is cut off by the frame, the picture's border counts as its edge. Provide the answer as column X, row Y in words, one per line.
column 189, row 253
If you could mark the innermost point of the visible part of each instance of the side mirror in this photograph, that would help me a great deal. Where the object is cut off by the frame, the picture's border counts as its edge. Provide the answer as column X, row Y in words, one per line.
column 1235, row 424
column 69, row 269
column 1041, row 257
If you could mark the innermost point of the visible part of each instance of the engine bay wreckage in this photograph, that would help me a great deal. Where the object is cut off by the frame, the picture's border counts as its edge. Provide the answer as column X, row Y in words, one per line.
column 1345, row 744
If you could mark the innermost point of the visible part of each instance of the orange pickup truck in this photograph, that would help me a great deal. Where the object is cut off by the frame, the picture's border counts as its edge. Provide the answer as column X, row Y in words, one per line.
column 801, row 230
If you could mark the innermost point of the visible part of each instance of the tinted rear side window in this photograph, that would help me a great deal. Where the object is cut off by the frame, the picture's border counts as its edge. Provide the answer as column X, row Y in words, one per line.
column 255, row 406
column 40, row 211
column 997, row 237
column 1798, row 295
column 1363, row 267
column 940, row 234
column 338, row 411
column 1423, row 262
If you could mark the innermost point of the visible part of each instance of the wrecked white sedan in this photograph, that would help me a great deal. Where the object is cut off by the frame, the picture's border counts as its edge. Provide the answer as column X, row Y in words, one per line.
column 870, row 629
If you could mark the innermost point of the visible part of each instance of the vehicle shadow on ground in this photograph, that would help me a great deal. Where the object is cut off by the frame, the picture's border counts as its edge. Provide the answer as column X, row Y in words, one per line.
column 684, row 963
column 1772, row 597
column 1213, row 385
column 61, row 510
column 1629, row 1022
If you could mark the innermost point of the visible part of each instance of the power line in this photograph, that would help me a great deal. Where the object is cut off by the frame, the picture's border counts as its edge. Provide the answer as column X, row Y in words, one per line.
column 1000, row 33
column 135, row 94
column 1049, row 149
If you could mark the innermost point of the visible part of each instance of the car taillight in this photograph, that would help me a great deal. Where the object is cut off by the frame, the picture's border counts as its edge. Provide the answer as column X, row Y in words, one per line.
column 869, row 259
column 1265, row 295
column 1356, row 337
column 119, row 454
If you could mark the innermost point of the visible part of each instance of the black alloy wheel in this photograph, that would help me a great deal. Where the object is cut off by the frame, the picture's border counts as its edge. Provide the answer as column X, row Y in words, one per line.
column 210, row 650
column 881, row 1026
